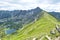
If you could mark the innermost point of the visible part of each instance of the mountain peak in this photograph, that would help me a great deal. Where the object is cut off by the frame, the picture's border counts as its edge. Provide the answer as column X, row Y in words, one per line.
column 37, row 7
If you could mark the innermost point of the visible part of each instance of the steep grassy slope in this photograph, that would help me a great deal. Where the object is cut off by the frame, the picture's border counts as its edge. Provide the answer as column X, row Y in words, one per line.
column 35, row 29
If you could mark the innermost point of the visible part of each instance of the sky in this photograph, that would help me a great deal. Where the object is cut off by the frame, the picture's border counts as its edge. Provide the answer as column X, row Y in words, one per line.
column 47, row 5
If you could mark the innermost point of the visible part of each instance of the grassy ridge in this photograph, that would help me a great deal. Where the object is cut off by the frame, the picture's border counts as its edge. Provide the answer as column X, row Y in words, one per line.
column 35, row 29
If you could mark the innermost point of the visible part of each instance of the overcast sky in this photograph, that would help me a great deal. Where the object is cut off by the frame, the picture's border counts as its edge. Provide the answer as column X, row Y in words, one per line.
column 48, row 5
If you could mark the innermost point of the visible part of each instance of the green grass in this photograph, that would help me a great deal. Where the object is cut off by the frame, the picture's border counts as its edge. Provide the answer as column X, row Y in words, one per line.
column 35, row 29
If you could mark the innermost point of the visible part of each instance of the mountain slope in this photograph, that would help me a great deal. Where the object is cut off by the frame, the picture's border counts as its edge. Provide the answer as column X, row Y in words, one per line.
column 35, row 29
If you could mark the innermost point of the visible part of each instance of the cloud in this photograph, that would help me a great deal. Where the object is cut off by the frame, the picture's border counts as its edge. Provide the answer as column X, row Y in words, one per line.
column 48, row 5
column 9, row 6
column 51, row 7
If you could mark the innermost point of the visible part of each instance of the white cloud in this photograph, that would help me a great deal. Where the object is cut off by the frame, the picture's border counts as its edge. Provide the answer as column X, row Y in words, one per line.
column 9, row 6
column 47, row 5
column 51, row 7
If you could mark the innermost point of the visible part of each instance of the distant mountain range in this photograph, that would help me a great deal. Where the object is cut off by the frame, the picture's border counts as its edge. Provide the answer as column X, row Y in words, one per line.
column 19, row 16
column 23, row 13
column 56, row 15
